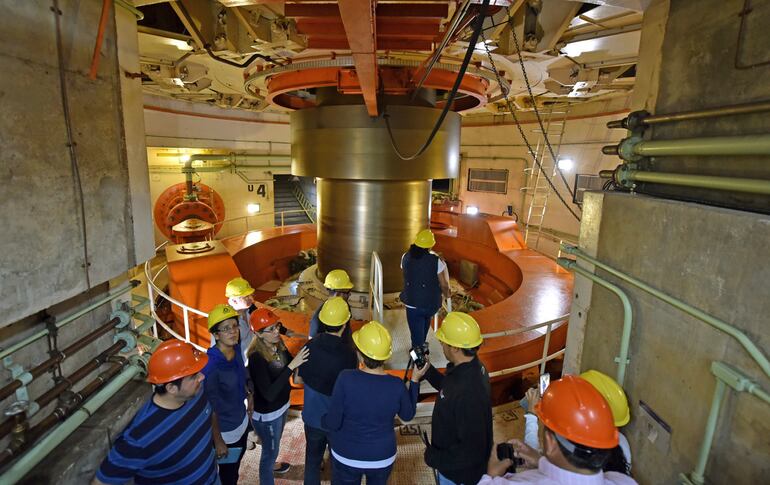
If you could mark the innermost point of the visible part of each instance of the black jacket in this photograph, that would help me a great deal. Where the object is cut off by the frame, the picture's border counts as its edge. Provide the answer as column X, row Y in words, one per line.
column 329, row 355
column 271, row 382
column 462, row 422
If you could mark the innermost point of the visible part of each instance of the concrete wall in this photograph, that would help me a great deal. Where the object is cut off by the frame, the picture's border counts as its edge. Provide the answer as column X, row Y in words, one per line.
column 45, row 259
column 714, row 259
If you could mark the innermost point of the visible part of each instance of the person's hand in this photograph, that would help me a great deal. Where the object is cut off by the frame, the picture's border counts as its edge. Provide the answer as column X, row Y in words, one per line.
column 533, row 397
column 300, row 358
column 220, row 447
column 418, row 374
column 249, row 404
column 495, row 466
column 530, row 455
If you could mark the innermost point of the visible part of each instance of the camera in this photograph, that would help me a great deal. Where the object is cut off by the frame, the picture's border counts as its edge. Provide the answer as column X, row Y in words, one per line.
column 281, row 329
column 505, row 450
column 418, row 354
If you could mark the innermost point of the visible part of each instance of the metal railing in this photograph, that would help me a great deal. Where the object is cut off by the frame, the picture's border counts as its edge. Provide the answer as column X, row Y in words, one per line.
column 546, row 342
column 307, row 205
column 375, row 288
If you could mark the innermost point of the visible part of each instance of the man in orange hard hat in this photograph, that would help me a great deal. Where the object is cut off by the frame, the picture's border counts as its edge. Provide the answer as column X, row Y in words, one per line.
column 169, row 440
column 580, row 434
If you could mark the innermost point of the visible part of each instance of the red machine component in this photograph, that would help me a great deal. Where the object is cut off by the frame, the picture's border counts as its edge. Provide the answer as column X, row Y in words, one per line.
column 171, row 209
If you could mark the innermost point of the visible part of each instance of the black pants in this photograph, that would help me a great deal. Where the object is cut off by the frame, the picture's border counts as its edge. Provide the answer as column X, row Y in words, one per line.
column 228, row 473
column 317, row 441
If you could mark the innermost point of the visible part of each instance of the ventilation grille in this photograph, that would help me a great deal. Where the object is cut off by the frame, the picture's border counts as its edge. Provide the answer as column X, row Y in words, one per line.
column 488, row 180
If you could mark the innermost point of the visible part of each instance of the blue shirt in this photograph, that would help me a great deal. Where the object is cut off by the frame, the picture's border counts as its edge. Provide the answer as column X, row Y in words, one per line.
column 316, row 405
column 361, row 412
column 225, row 387
column 164, row 446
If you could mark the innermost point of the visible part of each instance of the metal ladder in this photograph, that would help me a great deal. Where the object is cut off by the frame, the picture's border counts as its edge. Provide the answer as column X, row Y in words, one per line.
column 554, row 121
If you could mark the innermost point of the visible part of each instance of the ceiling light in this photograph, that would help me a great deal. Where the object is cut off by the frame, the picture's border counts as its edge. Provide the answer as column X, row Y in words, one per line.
column 566, row 164
column 252, row 208
column 472, row 210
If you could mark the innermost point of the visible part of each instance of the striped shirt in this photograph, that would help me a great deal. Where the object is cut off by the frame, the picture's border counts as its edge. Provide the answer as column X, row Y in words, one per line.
column 164, row 446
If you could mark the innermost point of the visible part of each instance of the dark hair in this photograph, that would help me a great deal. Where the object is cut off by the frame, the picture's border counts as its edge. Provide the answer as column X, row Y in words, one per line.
column 470, row 352
column 617, row 462
column 214, row 329
column 371, row 363
column 323, row 328
column 417, row 252
column 161, row 388
column 583, row 457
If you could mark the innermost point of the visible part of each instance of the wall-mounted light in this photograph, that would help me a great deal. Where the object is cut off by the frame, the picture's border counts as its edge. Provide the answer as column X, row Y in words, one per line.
column 472, row 210
column 252, row 208
column 184, row 158
column 566, row 164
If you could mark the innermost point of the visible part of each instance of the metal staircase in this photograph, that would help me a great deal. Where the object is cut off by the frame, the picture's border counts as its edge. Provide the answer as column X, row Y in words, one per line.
column 554, row 121
column 288, row 208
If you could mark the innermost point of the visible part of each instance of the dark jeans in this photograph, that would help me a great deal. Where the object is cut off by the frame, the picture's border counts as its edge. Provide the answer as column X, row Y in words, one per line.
column 419, row 323
column 269, row 433
column 228, row 473
column 348, row 475
column 317, row 441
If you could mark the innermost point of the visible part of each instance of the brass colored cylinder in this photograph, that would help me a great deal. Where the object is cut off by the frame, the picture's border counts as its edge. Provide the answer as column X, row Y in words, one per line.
column 356, row 217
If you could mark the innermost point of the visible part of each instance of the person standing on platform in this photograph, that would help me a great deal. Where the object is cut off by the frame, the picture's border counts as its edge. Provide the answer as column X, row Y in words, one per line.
column 330, row 354
column 226, row 390
column 426, row 282
column 270, row 366
column 169, row 440
column 363, row 406
column 462, row 416
column 338, row 283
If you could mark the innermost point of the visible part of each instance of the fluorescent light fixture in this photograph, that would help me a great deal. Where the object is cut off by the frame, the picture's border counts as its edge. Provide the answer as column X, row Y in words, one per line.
column 566, row 164
column 472, row 210
column 252, row 208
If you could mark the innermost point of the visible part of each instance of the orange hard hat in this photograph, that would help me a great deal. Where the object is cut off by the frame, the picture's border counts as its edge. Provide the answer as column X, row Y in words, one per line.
column 262, row 318
column 174, row 359
column 573, row 408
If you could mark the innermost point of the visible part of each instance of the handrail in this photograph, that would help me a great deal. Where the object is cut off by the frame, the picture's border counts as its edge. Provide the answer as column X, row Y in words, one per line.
column 306, row 204
column 375, row 288
column 545, row 358
column 720, row 325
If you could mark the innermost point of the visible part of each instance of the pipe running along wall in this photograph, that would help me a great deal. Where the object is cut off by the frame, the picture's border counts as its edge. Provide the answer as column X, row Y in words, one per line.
column 720, row 325
column 628, row 315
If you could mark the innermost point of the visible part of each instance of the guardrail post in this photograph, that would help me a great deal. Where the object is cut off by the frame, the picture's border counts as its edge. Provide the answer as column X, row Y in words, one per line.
column 545, row 348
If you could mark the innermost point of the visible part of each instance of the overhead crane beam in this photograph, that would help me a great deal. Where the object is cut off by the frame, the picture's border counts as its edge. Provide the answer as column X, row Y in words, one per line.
column 358, row 17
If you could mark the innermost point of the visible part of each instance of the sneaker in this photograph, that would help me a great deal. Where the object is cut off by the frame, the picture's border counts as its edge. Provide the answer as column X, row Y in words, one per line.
column 281, row 468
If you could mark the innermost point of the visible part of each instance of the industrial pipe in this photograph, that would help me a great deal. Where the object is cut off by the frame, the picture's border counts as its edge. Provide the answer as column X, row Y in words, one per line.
column 58, row 357
column 28, row 461
column 233, row 158
column 70, row 318
column 628, row 315
column 634, row 148
column 47, row 397
column 640, row 118
column 720, row 325
column 124, row 4
column 105, row 17
column 627, row 178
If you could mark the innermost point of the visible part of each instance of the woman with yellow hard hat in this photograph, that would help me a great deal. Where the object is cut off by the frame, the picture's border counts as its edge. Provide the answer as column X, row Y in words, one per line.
column 426, row 281
column 337, row 283
column 363, row 405
column 226, row 390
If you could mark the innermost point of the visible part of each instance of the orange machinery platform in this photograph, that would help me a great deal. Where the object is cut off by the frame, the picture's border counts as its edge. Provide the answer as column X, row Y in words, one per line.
column 518, row 286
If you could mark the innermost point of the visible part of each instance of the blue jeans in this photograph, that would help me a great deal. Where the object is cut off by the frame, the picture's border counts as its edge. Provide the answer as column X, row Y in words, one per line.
column 442, row 480
column 269, row 433
column 348, row 475
column 316, row 442
column 419, row 323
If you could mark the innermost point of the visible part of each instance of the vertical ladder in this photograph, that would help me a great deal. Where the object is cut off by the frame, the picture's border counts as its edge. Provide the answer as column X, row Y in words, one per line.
column 554, row 121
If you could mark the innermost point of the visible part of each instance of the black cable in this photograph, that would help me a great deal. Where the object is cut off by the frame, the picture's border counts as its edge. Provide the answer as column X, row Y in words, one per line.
column 452, row 94
column 244, row 64
column 521, row 132
column 70, row 139
column 534, row 104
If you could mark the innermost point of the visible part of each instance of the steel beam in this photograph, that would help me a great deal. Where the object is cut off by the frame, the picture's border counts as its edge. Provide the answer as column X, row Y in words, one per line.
column 360, row 27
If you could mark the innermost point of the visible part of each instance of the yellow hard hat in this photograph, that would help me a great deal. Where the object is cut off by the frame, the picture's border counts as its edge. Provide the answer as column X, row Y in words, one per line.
column 613, row 394
column 425, row 239
column 238, row 287
column 335, row 312
column 338, row 279
column 460, row 330
column 220, row 313
column 373, row 340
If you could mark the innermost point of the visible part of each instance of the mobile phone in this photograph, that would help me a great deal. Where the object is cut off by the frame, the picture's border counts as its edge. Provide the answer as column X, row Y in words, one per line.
column 231, row 457
column 545, row 380
column 505, row 450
